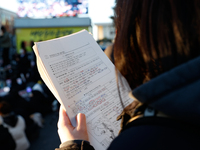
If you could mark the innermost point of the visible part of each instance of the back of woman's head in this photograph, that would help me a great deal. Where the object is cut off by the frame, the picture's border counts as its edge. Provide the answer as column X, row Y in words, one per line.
column 154, row 36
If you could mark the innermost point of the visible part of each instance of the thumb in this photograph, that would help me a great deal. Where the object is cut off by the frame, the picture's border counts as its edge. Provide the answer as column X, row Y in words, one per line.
column 81, row 121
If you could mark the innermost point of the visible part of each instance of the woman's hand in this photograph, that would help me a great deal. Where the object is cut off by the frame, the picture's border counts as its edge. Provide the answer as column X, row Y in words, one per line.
column 67, row 132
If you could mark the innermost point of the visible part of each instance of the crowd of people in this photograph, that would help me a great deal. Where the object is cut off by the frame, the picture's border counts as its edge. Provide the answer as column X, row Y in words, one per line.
column 24, row 99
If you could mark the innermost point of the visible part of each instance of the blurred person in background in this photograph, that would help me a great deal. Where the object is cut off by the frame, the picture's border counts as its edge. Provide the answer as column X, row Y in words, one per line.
column 13, row 46
column 15, row 125
column 23, row 63
column 6, row 139
column 5, row 44
column 157, row 50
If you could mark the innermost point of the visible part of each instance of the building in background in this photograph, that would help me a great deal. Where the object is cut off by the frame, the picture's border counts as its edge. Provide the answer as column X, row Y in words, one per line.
column 105, row 30
column 105, row 34
column 7, row 19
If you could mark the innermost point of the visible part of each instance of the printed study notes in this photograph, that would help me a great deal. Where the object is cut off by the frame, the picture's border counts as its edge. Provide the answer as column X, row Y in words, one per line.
column 83, row 80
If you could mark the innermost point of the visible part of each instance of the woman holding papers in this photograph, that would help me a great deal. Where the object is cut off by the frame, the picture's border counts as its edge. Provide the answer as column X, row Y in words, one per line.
column 157, row 49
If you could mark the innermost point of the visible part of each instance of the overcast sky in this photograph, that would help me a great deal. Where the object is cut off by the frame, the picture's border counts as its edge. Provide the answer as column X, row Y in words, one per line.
column 99, row 10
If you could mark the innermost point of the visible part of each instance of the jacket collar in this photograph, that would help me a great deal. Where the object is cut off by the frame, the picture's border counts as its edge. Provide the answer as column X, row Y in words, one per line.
column 175, row 93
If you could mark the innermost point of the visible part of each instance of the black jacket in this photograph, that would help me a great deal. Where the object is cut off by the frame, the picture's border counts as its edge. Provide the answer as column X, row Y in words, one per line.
column 6, row 140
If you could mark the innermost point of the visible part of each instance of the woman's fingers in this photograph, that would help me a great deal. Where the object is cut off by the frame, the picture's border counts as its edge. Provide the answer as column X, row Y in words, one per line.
column 81, row 126
column 81, row 121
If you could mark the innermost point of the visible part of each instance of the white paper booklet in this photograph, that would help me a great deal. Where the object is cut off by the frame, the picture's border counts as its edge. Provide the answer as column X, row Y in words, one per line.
column 82, row 78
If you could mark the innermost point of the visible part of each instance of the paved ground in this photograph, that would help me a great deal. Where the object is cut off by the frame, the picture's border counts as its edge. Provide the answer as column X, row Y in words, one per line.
column 48, row 138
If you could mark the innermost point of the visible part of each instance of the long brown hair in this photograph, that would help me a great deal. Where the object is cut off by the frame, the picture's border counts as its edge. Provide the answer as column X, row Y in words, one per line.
column 154, row 36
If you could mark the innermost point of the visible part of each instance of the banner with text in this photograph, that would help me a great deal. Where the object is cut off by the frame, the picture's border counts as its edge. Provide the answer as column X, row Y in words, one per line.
column 31, row 35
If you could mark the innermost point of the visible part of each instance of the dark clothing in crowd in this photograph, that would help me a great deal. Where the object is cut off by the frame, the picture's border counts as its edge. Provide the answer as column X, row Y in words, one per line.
column 5, row 56
column 23, row 63
column 5, row 45
column 6, row 141
column 18, row 104
column 11, row 120
column 34, row 74
column 39, row 103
